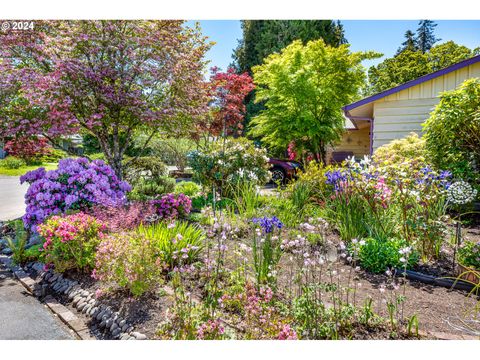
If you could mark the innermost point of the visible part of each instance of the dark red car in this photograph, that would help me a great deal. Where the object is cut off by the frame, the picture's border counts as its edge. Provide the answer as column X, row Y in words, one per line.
column 283, row 170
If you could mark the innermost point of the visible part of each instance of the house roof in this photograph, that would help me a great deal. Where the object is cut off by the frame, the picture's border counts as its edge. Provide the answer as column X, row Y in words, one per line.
column 411, row 83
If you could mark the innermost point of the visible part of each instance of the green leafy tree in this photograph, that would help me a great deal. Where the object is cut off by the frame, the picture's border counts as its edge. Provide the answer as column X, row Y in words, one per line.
column 446, row 54
column 264, row 37
column 452, row 133
column 408, row 65
column 303, row 88
column 425, row 35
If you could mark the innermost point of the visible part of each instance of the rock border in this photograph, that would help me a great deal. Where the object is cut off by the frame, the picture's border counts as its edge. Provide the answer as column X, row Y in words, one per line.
column 82, row 300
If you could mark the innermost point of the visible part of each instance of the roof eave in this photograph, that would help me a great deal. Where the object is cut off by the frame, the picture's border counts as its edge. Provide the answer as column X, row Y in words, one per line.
column 411, row 83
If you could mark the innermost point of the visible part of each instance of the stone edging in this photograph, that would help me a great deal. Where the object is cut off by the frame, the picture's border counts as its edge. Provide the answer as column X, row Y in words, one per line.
column 82, row 300
column 78, row 326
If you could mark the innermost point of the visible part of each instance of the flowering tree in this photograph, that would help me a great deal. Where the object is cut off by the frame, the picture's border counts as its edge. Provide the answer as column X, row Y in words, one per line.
column 228, row 90
column 110, row 79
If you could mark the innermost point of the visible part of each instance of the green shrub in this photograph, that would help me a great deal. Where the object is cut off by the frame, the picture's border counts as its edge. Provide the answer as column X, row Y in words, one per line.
column 146, row 167
column 130, row 261
column 12, row 162
column 148, row 189
column 201, row 201
column 98, row 156
column 171, row 151
column 314, row 175
column 54, row 155
column 222, row 163
column 408, row 153
column 17, row 244
column 469, row 254
column 378, row 255
column 34, row 253
column 188, row 188
column 178, row 244
column 452, row 132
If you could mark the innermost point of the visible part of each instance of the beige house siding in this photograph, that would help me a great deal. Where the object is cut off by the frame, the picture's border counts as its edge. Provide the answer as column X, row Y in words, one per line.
column 397, row 115
column 355, row 141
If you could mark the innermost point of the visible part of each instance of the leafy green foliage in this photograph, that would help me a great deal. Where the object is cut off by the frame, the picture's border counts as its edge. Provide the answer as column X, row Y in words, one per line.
column 411, row 63
column 146, row 167
column 17, row 244
column 469, row 254
column 264, row 37
column 178, row 244
column 130, row 261
column 189, row 188
column 12, row 162
column 224, row 161
column 171, row 151
column 408, row 153
column 152, row 189
column 379, row 255
column 34, row 253
column 452, row 133
column 304, row 88
column 148, row 177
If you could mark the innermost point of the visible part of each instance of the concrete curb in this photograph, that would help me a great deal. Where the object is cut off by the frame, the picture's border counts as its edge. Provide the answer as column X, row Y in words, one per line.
column 79, row 327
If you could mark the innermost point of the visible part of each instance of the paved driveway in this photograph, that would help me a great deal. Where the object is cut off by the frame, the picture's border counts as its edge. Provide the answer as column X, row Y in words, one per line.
column 12, row 202
column 22, row 317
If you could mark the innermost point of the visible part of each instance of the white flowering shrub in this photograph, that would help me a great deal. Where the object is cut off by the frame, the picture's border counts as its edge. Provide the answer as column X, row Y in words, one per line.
column 236, row 159
column 461, row 193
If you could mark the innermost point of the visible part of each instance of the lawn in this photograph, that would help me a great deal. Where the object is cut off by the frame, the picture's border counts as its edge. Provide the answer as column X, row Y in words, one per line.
column 26, row 168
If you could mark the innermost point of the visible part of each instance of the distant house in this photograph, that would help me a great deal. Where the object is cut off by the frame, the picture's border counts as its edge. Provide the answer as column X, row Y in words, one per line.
column 396, row 112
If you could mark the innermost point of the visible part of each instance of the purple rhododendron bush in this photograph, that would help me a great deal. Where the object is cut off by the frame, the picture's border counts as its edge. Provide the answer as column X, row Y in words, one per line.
column 77, row 184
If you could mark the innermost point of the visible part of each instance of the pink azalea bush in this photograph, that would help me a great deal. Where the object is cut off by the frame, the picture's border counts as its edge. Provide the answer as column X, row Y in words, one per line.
column 172, row 206
column 77, row 184
column 130, row 261
column 71, row 241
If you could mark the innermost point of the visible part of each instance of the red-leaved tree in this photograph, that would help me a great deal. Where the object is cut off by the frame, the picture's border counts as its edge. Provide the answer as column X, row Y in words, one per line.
column 110, row 79
column 227, row 107
column 27, row 148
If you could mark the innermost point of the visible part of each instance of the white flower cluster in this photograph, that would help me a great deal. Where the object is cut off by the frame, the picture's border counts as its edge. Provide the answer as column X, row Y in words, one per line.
column 405, row 252
column 461, row 193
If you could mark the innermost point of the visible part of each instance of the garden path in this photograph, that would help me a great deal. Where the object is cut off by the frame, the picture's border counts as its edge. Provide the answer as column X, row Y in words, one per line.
column 12, row 202
column 22, row 317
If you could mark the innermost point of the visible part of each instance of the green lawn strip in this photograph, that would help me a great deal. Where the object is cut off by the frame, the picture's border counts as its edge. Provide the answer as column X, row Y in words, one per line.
column 24, row 169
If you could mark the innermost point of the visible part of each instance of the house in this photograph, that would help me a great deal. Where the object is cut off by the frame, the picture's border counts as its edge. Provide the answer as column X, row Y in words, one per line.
column 393, row 114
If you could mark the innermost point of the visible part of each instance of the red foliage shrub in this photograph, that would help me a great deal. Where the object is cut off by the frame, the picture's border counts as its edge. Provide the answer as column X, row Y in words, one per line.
column 27, row 148
column 124, row 217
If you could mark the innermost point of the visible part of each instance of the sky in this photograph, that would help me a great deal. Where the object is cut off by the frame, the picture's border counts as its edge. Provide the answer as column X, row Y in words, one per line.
column 384, row 36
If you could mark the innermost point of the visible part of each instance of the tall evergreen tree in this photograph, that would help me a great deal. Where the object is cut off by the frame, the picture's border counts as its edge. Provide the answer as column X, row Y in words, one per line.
column 409, row 43
column 264, row 37
column 425, row 35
